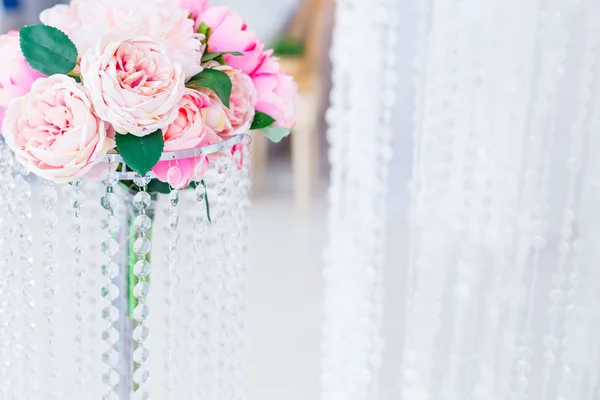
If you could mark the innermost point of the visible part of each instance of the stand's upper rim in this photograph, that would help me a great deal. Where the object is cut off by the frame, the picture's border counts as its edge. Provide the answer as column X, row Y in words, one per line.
column 189, row 153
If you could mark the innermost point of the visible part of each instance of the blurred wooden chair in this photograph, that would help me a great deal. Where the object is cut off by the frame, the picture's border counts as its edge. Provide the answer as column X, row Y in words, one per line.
column 308, row 28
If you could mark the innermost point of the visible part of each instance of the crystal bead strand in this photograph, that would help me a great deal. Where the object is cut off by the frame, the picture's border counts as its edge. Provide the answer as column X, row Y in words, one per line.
column 51, row 287
column 532, row 175
column 93, row 258
column 80, row 269
column 241, row 185
column 466, row 132
column 423, row 13
column 535, row 200
column 220, row 224
column 575, row 329
column 334, row 341
column 434, row 145
column 588, row 231
column 110, row 270
column 10, row 350
column 553, row 54
column 172, row 283
column 504, row 63
column 202, row 337
column 141, row 247
column 30, row 370
column 389, row 22
column 351, row 329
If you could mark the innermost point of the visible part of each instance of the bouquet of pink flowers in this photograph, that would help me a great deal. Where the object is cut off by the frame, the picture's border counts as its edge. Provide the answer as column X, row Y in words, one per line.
column 138, row 78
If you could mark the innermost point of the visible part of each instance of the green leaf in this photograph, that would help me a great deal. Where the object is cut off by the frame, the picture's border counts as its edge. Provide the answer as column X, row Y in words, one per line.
column 276, row 133
column 215, row 80
column 47, row 49
column 261, row 120
column 208, row 56
column 141, row 153
column 205, row 30
column 206, row 201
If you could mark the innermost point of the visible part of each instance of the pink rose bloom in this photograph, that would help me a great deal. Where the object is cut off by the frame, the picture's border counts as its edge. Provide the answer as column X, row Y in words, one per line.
column 215, row 116
column 188, row 131
column 53, row 131
column 229, row 32
column 66, row 18
column 278, row 97
column 87, row 20
column 16, row 76
column 134, row 84
column 242, row 100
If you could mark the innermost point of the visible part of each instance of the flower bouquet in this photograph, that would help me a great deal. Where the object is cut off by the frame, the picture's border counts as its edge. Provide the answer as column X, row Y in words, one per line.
column 137, row 79
column 156, row 97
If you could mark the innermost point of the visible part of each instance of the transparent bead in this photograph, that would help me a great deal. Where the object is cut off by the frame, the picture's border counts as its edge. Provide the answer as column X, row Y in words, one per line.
column 110, row 223
column 141, row 312
column 140, row 333
column 142, row 181
column 141, row 290
column 141, row 355
column 110, row 270
column 141, row 268
column 141, row 376
column 142, row 223
column 111, row 357
column 109, row 201
column 174, row 198
column 110, row 247
column 142, row 246
column 174, row 176
column 141, row 200
column 110, row 336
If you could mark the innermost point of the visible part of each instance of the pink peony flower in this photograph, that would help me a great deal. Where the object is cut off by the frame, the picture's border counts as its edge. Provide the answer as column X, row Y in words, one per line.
column 53, row 131
column 16, row 76
column 87, row 20
column 229, row 32
column 195, row 8
column 188, row 131
column 278, row 97
column 134, row 84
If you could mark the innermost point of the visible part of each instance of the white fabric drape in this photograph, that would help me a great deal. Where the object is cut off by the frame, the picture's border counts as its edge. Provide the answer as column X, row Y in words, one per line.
column 500, row 279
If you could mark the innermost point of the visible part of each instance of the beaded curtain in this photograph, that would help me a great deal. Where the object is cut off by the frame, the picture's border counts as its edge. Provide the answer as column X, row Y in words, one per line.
column 500, row 282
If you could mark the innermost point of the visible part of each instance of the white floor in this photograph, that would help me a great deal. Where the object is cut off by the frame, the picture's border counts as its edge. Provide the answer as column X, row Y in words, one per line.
column 284, row 300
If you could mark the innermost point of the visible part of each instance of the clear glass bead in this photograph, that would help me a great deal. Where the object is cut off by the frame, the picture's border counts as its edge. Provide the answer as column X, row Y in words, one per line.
column 142, row 181
column 142, row 246
column 141, row 312
column 141, row 200
column 141, row 268
column 142, row 223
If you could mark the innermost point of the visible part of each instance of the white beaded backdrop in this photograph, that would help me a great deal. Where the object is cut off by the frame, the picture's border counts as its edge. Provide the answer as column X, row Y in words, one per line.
column 360, row 118
column 499, row 282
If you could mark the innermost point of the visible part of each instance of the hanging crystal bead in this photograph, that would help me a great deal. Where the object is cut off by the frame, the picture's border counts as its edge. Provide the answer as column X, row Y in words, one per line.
column 24, row 199
column 110, row 269
column 141, row 247
column 51, row 287
column 10, row 346
column 172, row 291
column 201, row 340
